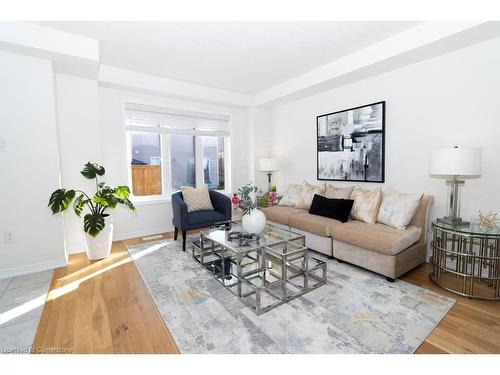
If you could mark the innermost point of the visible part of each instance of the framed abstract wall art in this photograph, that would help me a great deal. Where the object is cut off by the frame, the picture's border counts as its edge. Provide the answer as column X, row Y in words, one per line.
column 351, row 144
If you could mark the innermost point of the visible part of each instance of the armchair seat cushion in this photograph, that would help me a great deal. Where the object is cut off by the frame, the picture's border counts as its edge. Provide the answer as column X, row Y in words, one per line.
column 201, row 218
column 377, row 237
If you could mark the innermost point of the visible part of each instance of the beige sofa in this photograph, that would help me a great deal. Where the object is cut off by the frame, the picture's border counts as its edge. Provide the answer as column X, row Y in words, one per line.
column 376, row 247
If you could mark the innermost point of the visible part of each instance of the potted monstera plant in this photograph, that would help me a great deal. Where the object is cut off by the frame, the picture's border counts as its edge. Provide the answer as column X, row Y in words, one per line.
column 97, row 222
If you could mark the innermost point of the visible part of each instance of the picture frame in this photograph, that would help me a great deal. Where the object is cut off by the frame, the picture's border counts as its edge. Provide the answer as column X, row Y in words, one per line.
column 350, row 144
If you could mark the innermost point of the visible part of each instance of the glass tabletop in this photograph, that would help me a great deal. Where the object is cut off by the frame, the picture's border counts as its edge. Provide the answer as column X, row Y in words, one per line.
column 474, row 228
column 270, row 236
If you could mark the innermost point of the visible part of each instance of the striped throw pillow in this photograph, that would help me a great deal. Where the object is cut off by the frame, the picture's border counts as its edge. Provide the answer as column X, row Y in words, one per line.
column 333, row 192
column 197, row 199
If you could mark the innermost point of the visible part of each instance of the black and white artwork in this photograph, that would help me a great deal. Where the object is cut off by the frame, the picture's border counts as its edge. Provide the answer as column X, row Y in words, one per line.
column 351, row 144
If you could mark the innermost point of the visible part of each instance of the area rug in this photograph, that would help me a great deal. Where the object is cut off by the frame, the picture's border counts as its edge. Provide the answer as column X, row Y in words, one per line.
column 357, row 311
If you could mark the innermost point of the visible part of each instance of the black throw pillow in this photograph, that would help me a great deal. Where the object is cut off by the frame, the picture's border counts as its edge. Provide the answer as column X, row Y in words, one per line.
column 338, row 209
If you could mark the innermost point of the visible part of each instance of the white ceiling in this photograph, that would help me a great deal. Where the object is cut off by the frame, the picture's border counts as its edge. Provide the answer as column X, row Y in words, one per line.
column 242, row 56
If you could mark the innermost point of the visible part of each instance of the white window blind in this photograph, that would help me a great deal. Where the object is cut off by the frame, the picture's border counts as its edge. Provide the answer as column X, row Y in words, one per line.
column 147, row 118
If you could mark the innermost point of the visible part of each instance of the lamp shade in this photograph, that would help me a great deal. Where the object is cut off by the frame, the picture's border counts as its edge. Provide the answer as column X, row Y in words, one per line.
column 456, row 161
column 268, row 165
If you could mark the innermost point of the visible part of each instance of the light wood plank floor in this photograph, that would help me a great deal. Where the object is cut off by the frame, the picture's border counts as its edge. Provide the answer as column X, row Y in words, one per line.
column 471, row 326
column 102, row 307
column 105, row 307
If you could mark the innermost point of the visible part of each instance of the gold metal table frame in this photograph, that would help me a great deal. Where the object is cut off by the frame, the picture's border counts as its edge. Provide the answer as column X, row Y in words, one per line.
column 466, row 260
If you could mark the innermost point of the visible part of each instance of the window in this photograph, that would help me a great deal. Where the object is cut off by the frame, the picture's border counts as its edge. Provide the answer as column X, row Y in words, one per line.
column 213, row 162
column 146, row 164
column 171, row 148
column 182, row 160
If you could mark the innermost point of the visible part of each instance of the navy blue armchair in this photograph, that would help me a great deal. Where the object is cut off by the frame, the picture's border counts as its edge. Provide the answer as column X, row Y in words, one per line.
column 184, row 220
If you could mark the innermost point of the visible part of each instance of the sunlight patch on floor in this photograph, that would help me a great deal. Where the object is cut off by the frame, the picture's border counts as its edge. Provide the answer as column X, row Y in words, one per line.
column 22, row 309
column 56, row 293
column 111, row 258
column 149, row 250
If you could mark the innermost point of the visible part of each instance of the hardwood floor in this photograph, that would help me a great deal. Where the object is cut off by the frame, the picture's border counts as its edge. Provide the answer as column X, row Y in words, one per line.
column 105, row 307
column 102, row 307
column 471, row 326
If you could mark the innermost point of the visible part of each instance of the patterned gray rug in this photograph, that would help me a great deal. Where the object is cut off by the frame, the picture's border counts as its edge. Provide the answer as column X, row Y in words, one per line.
column 356, row 312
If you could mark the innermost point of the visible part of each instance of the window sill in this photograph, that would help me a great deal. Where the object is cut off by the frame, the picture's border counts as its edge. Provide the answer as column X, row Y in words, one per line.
column 148, row 201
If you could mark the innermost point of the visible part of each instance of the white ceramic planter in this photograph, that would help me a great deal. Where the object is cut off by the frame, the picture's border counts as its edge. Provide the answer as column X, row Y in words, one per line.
column 99, row 247
column 254, row 222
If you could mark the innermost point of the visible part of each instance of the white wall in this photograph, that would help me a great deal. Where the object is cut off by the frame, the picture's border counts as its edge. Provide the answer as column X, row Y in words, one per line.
column 80, row 142
column 448, row 100
column 156, row 217
column 260, row 136
column 29, row 166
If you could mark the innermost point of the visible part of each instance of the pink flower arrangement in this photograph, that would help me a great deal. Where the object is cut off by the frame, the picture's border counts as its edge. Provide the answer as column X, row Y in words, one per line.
column 272, row 197
column 244, row 201
column 235, row 200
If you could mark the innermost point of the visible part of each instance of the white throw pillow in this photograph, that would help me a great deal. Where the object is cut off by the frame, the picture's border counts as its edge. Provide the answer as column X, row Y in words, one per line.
column 291, row 195
column 197, row 199
column 307, row 194
column 397, row 209
column 366, row 204
column 333, row 192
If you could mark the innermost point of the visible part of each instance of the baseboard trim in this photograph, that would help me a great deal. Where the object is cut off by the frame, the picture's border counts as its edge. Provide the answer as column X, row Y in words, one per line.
column 32, row 268
column 142, row 233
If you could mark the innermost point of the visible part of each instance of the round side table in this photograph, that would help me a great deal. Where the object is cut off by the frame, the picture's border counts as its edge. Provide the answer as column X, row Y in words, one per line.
column 466, row 260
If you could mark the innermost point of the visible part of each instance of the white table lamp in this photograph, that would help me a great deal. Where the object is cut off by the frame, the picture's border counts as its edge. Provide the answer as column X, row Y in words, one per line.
column 268, row 165
column 455, row 163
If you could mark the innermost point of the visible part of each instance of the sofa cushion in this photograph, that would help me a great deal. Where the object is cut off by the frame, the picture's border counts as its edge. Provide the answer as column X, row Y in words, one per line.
column 366, row 204
column 338, row 192
column 397, row 209
column 291, row 195
column 280, row 214
column 307, row 194
column 322, row 226
column 338, row 209
column 377, row 237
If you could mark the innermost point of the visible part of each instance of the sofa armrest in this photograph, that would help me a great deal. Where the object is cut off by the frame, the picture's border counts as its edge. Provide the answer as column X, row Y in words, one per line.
column 421, row 217
column 221, row 203
column 180, row 211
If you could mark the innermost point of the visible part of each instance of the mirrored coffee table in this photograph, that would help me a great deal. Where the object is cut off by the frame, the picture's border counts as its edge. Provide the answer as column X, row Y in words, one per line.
column 263, row 273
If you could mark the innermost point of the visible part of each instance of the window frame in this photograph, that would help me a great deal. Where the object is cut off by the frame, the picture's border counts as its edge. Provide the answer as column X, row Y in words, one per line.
column 167, row 188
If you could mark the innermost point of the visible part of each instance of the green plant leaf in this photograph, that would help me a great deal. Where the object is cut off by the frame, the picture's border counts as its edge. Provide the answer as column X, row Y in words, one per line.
column 100, row 200
column 91, row 170
column 60, row 200
column 93, row 223
column 122, row 191
column 130, row 205
column 106, row 197
column 127, row 203
column 79, row 203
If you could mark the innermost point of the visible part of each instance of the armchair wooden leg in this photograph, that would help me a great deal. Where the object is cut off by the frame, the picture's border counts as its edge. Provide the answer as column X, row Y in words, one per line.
column 183, row 240
column 176, row 232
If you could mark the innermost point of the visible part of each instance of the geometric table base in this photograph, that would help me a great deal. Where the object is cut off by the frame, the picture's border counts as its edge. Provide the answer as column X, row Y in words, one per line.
column 466, row 262
column 262, row 277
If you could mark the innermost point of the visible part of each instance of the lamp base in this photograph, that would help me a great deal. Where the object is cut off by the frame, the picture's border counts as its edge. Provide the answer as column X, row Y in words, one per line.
column 269, row 174
column 452, row 216
column 453, row 221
